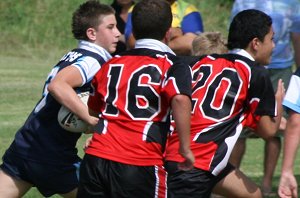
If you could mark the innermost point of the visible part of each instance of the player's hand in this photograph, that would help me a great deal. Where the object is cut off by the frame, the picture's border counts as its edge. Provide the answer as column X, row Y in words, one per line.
column 92, row 121
column 280, row 93
column 188, row 163
column 87, row 143
column 288, row 186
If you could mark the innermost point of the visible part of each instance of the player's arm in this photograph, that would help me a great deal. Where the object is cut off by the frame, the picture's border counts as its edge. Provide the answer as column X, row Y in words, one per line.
column 181, row 108
column 288, row 183
column 182, row 45
column 61, row 88
column 296, row 45
column 191, row 25
column 267, row 126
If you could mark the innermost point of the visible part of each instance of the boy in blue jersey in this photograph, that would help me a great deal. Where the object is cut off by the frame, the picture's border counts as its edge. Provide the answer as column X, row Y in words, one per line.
column 186, row 25
column 43, row 154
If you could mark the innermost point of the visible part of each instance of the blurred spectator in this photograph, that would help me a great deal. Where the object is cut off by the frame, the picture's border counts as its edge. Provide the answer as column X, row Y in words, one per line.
column 121, row 7
column 286, row 24
column 186, row 25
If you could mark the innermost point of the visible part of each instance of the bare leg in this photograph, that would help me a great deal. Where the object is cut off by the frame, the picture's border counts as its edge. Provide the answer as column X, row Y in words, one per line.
column 272, row 151
column 236, row 184
column 235, row 158
column 238, row 152
column 12, row 188
column 71, row 194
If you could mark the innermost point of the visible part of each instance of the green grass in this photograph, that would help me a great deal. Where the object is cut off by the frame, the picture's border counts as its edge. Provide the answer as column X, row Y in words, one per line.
column 34, row 36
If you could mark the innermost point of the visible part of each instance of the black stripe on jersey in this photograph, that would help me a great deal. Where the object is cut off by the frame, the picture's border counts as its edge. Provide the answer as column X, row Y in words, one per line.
column 179, row 67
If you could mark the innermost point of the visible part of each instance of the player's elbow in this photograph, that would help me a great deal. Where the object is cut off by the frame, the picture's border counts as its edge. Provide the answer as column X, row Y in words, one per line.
column 181, row 100
column 268, row 127
column 51, row 87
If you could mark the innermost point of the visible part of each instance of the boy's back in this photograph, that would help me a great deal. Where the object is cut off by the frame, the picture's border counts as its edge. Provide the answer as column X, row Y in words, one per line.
column 223, row 86
column 140, row 97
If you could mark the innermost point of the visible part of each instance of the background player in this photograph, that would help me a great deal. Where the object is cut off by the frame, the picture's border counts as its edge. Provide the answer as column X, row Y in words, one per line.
column 134, row 93
column 229, row 91
column 286, row 24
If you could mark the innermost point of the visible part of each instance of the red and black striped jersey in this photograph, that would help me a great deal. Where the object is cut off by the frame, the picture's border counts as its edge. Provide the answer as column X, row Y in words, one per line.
column 133, row 92
column 228, row 92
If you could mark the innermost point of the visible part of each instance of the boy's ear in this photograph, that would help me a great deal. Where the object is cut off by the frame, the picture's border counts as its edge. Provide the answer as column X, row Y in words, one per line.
column 168, row 36
column 91, row 34
column 255, row 43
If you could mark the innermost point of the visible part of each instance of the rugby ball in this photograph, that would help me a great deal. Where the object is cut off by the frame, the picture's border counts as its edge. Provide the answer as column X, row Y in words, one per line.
column 71, row 122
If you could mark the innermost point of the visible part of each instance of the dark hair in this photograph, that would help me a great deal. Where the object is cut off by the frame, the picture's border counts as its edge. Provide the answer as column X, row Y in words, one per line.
column 246, row 26
column 151, row 19
column 89, row 15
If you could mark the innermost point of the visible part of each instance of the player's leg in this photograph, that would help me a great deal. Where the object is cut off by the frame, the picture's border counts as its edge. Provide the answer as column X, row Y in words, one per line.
column 11, row 187
column 238, row 152
column 236, row 184
column 272, row 151
column 51, row 179
column 71, row 194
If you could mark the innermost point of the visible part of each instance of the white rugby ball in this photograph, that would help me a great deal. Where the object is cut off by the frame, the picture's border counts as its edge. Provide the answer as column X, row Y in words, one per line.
column 71, row 122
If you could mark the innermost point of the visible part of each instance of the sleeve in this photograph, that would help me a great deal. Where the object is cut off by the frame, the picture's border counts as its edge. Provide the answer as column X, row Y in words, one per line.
column 128, row 26
column 292, row 96
column 192, row 21
column 88, row 67
column 178, row 80
column 261, row 92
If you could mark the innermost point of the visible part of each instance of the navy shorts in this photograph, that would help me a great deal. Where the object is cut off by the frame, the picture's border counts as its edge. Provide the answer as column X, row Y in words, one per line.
column 49, row 179
column 194, row 183
column 101, row 178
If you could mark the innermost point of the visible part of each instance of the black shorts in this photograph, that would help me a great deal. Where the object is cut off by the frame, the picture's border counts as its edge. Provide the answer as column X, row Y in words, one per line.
column 104, row 178
column 194, row 183
column 47, row 178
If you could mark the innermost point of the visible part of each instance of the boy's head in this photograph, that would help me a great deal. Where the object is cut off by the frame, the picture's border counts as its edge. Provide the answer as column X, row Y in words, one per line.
column 252, row 30
column 208, row 43
column 151, row 19
column 246, row 26
column 96, row 22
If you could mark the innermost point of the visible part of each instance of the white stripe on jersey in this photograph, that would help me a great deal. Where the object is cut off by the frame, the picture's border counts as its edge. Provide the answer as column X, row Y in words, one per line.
column 292, row 96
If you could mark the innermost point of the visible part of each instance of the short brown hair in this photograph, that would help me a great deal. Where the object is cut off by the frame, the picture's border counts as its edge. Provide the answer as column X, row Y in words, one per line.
column 209, row 43
column 89, row 15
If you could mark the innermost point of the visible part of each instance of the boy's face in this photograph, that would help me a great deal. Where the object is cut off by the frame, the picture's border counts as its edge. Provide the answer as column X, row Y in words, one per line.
column 107, row 33
column 265, row 49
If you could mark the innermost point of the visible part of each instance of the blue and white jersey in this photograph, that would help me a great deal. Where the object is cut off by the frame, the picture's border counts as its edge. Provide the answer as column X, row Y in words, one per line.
column 286, row 19
column 292, row 96
column 41, row 138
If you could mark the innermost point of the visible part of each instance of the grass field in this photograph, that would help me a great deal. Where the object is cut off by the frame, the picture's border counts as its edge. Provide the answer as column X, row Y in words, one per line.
column 31, row 45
